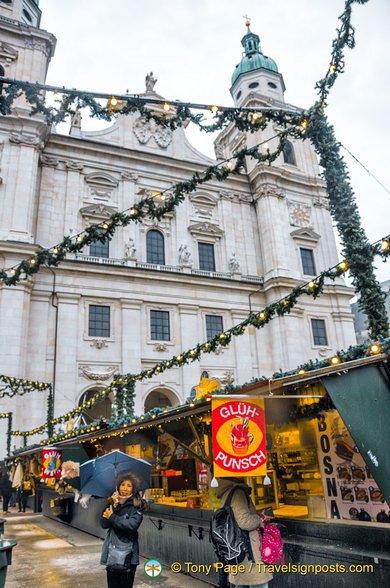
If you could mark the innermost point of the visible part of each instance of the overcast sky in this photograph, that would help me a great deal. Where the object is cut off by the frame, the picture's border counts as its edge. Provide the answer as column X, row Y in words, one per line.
column 192, row 46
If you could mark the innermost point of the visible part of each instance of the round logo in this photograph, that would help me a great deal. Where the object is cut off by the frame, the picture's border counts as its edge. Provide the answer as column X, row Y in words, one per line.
column 238, row 436
column 152, row 568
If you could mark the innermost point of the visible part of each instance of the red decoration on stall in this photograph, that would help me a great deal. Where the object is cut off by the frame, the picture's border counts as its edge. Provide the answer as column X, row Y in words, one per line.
column 52, row 463
column 238, row 437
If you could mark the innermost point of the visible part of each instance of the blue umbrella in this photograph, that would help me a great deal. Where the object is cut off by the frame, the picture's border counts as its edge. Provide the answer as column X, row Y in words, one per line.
column 102, row 476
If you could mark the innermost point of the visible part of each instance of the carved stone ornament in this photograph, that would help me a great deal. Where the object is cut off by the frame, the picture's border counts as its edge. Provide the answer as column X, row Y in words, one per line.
column 226, row 195
column 73, row 165
column 34, row 43
column 49, row 161
column 132, row 177
column 272, row 190
column 206, row 229
column 142, row 130
column 321, row 203
column 7, row 53
column 91, row 373
column 227, row 378
column 306, row 234
column 26, row 139
column 203, row 205
column 99, row 343
column 162, row 136
column 160, row 347
column 97, row 211
column 101, row 185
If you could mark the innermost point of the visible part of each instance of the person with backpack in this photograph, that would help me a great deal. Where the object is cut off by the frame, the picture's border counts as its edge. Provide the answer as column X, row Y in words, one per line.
column 237, row 491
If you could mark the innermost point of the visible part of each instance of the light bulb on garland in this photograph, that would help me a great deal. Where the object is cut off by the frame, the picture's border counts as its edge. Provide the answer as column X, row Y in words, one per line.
column 335, row 360
column 385, row 244
column 214, row 109
column 343, row 266
column 113, row 101
column 375, row 348
column 166, row 107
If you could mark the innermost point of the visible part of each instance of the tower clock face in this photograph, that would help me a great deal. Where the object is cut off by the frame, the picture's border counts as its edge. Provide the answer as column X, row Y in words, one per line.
column 300, row 216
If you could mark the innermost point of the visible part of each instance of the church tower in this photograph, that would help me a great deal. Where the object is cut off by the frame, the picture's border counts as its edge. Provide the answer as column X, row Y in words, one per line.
column 25, row 53
column 291, row 215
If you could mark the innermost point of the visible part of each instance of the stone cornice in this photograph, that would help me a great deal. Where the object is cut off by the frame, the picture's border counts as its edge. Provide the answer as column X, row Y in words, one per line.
column 306, row 234
column 206, row 229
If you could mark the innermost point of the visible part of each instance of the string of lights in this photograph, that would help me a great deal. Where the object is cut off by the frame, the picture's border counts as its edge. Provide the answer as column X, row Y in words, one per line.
column 153, row 206
column 126, row 382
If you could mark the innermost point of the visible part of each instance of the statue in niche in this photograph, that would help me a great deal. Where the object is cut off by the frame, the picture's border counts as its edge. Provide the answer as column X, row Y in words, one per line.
column 234, row 264
column 130, row 249
column 185, row 256
column 150, row 82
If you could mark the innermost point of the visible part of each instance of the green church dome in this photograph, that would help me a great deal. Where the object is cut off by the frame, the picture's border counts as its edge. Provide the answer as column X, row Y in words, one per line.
column 253, row 57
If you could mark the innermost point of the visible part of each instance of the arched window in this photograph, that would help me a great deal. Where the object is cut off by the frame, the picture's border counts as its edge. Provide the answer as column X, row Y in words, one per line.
column 288, row 154
column 155, row 247
column 102, row 408
column 160, row 399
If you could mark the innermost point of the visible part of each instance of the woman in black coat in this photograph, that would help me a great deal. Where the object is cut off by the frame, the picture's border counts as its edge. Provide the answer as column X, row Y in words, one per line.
column 5, row 491
column 122, row 516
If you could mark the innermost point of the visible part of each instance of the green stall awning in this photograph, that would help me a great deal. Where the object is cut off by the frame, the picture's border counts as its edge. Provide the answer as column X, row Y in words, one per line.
column 362, row 397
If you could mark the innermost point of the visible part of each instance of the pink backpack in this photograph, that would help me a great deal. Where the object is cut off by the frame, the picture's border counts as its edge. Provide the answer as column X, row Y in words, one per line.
column 271, row 544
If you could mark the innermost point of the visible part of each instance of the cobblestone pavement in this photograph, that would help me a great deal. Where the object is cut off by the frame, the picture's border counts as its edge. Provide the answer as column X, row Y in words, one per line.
column 52, row 554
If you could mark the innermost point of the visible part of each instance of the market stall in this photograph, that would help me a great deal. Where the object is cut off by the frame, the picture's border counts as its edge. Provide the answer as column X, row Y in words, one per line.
column 322, row 482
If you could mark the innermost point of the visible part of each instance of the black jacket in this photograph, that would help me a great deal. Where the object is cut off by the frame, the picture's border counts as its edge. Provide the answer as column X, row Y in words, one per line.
column 124, row 522
column 5, row 486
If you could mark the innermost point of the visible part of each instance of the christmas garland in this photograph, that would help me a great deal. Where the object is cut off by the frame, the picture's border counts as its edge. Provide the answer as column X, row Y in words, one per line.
column 301, row 412
column 8, row 415
column 123, row 385
column 17, row 386
column 74, row 100
column 343, row 206
column 148, row 206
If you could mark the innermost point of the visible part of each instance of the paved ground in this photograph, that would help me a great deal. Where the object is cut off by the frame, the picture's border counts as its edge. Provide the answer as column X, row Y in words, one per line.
column 52, row 554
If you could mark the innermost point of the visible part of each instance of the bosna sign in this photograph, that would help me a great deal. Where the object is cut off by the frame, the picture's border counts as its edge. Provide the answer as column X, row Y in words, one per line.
column 238, row 437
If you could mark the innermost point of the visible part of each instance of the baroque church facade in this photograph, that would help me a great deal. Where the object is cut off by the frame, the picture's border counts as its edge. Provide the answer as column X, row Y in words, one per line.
column 158, row 287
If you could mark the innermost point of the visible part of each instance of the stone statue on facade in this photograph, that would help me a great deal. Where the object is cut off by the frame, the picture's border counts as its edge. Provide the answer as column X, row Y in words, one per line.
column 234, row 264
column 185, row 256
column 130, row 249
column 150, row 82
column 75, row 120
column 75, row 123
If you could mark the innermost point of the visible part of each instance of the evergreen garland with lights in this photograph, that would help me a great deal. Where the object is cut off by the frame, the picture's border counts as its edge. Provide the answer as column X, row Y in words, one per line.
column 314, row 124
column 10, row 386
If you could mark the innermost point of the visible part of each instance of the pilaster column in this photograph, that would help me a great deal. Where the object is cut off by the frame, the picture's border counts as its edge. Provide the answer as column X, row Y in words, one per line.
column 190, row 336
column 70, row 329
column 132, row 344
column 242, row 351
